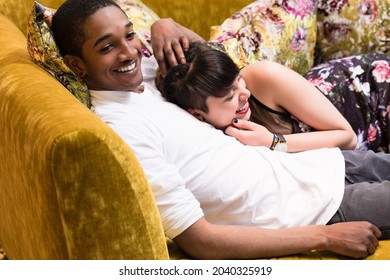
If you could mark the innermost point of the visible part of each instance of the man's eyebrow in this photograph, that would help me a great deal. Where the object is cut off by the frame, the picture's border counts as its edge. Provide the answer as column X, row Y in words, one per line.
column 99, row 40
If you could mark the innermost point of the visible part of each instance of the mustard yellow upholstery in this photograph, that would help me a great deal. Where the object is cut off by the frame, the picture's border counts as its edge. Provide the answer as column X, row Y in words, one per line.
column 70, row 188
column 197, row 15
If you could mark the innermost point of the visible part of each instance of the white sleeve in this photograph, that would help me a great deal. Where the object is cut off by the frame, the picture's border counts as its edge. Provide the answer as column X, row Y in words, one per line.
column 178, row 208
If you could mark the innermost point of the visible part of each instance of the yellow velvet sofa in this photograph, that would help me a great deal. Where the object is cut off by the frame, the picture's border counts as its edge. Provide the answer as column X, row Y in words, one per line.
column 70, row 188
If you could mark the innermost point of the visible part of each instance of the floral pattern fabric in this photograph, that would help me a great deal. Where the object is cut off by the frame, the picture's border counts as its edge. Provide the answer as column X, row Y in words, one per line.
column 352, row 27
column 279, row 30
column 44, row 51
column 359, row 87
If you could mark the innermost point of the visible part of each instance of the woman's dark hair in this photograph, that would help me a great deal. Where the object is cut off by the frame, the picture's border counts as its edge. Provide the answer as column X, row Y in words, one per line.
column 207, row 72
column 68, row 23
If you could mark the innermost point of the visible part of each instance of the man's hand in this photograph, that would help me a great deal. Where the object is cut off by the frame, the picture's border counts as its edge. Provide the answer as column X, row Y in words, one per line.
column 169, row 41
column 353, row 239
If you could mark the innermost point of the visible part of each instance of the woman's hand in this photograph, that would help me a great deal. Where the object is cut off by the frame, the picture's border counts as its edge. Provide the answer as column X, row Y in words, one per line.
column 169, row 41
column 250, row 133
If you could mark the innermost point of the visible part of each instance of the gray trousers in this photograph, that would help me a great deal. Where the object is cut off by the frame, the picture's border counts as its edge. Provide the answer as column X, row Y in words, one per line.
column 367, row 190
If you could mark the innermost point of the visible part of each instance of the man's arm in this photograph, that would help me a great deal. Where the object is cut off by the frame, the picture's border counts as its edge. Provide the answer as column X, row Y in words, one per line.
column 207, row 241
column 169, row 39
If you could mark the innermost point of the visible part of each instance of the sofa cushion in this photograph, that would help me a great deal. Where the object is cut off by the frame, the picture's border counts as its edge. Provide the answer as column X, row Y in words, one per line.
column 352, row 27
column 44, row 51
column 281, row 31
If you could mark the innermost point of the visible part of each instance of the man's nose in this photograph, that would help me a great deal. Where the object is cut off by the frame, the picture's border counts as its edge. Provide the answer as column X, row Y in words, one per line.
column 127, row 51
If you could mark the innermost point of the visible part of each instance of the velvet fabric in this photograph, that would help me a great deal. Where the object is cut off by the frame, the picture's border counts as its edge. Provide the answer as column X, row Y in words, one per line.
column 69, row 186
column 197, row 15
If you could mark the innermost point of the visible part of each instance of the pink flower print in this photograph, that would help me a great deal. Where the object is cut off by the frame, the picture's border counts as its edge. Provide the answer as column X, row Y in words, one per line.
column 332, row 6
column 324, row 86
column 381, row 72
column 299, row 8
column 298, row 40
column 371, row 133
column 369, row 10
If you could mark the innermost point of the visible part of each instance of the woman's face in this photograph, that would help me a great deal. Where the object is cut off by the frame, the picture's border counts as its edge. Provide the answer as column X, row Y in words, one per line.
column 111, row 52
column 222, row 110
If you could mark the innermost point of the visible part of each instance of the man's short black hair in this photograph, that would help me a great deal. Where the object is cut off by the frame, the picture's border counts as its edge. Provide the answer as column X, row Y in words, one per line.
column 68, row 22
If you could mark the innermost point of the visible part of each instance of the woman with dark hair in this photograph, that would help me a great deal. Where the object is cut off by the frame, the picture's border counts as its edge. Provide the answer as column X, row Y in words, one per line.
column 267, row 104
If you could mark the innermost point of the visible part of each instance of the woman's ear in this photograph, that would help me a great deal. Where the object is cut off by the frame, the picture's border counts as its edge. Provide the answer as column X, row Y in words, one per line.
column 197, row 114
column 75, row 64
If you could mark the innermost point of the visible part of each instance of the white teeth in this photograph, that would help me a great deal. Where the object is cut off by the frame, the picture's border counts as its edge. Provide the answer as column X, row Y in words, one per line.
column 243, row 107
column 127, row 68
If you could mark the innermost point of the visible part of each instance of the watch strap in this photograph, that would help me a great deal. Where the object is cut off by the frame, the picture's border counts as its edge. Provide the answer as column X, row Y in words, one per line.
column 278, row 139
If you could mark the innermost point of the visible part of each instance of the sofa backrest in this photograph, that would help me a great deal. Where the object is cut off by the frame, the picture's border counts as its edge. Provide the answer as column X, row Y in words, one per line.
column 203, row 13
column 17, row 11
column 197, row 15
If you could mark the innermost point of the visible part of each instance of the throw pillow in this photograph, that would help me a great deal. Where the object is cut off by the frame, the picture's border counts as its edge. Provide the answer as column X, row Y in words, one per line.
column 279, row 30
column 351, row 27
column 358, row 86
column 45, row 53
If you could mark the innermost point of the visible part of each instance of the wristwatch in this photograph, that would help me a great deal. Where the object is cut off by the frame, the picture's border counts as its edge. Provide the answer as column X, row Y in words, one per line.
column 279, row 143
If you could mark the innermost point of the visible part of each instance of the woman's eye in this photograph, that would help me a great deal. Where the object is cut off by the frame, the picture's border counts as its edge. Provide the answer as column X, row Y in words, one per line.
column 131, row 35
column 230, row 98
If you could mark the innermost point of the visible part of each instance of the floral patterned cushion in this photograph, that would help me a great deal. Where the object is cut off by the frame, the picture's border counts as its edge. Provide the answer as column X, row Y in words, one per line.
column 44, row 51
column 351, row 27
column 279, row 30
column 359, row 87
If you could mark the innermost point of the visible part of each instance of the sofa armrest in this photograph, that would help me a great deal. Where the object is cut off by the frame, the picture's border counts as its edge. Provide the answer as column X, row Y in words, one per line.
column 70, row 187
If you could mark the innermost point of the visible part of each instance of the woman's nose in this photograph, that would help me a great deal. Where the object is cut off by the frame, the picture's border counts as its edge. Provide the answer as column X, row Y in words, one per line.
column 244, row 94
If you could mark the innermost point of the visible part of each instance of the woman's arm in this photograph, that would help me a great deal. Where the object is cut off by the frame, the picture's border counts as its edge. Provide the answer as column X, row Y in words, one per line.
column 169, row 39
column 208, row 241
column 282, row 89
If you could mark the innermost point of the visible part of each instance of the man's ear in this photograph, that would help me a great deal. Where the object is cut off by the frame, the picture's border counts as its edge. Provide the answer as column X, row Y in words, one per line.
column 197, row 114
column 75, row 64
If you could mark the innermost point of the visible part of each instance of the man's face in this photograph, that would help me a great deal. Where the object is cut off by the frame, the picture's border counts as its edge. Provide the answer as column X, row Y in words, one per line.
column 111, row 52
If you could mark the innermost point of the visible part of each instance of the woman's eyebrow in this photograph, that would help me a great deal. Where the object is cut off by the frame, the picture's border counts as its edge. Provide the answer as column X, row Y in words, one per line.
column 230, row 96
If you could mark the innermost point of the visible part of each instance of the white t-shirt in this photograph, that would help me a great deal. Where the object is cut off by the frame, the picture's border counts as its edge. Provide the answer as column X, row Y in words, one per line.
column 196, row 170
